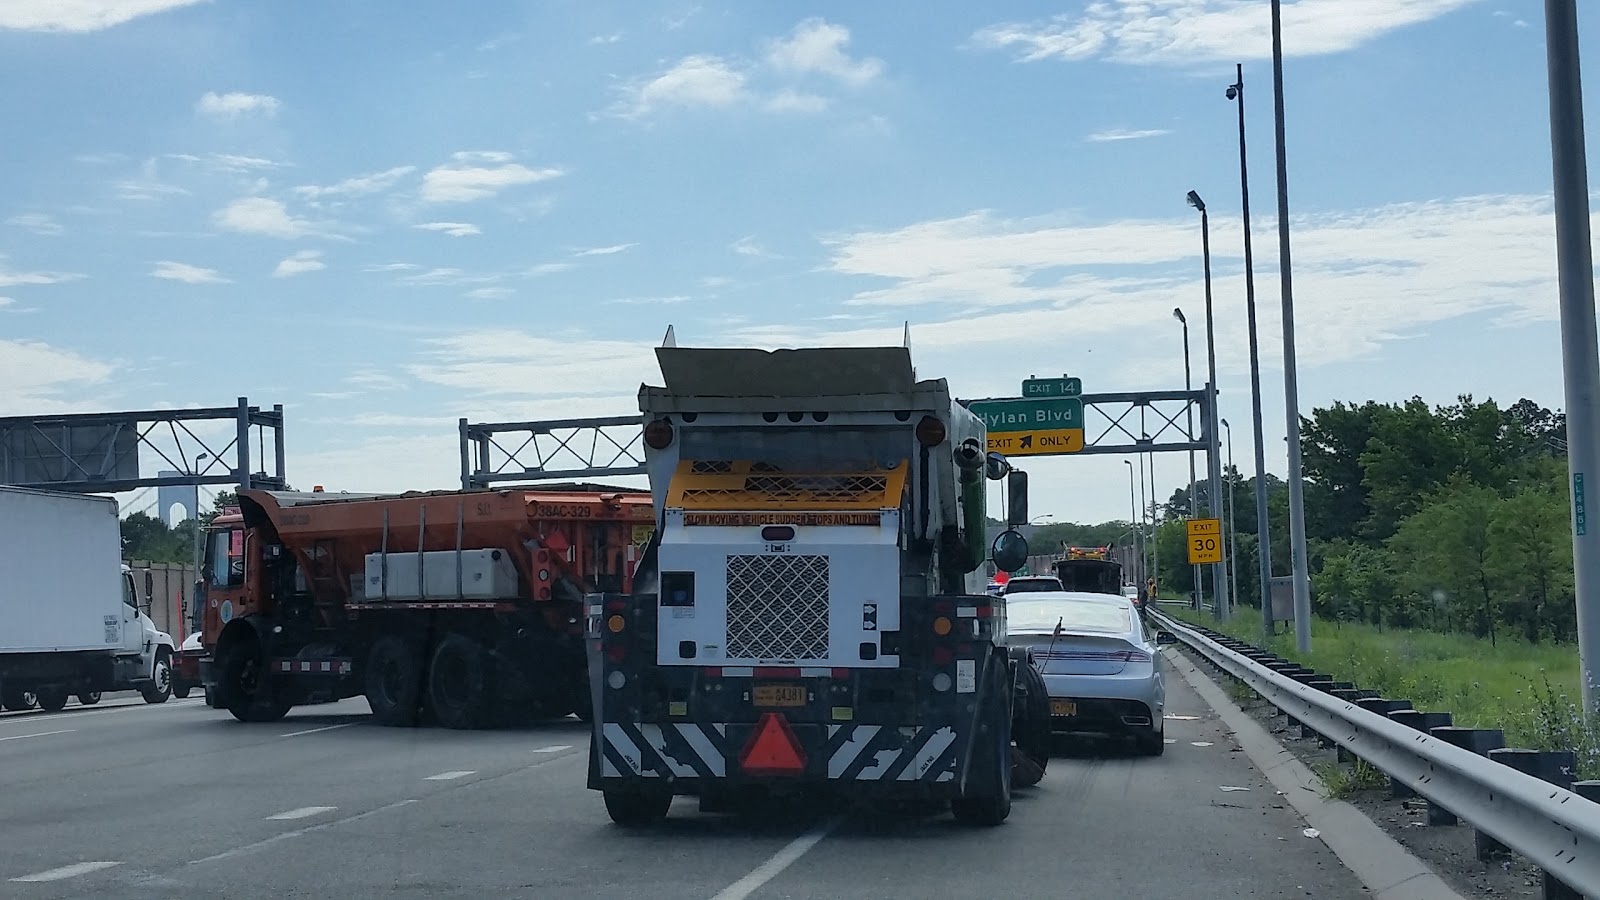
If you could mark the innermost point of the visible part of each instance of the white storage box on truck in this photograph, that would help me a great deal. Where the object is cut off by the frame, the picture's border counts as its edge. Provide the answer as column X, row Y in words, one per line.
column 70, row 621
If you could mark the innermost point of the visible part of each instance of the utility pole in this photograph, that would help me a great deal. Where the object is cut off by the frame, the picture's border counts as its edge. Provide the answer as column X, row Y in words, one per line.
column 1291, row 379
column 1580, row 359
column 1219, row 571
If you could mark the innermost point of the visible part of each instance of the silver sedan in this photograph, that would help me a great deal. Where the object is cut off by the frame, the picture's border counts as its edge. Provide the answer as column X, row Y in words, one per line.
column 1102, row 668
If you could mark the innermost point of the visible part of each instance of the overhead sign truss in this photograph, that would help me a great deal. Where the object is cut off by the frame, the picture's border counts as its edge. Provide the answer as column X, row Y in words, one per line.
column 102, row 453
column 555, row 449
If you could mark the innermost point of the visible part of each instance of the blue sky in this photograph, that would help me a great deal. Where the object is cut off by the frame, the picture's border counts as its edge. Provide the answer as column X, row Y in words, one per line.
column 494, row 210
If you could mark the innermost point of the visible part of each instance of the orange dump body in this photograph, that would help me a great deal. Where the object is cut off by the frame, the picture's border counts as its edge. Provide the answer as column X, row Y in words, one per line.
column 588, row 540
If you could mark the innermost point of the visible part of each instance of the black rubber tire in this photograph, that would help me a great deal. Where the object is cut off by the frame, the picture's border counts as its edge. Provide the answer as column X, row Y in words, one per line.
column 245, row 690
column 181, row 690
column 636, row 808
column 17, row 700
column 461, row 684
column 88, row 698
column 1030, row 723
column 53, row 699
column 159, row 690
column 393, row 681
column 992, row 804
column 1150, row 743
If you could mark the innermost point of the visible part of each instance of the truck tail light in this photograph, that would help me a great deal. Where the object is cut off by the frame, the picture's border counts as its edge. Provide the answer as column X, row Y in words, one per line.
column 658, row 434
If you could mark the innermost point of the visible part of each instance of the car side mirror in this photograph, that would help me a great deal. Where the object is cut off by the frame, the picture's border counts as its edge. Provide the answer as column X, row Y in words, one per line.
column 1010, row 551
column 1166, row 637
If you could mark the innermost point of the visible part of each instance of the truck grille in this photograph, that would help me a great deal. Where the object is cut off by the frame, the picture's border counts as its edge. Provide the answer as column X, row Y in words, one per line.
column 777, row 607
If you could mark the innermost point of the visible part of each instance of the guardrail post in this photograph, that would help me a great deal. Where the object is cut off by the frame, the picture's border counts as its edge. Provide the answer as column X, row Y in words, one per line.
column 1421, row 721
column 1477, row 740
column 1553, row 887
column 1380, row 705
column 1553, row 766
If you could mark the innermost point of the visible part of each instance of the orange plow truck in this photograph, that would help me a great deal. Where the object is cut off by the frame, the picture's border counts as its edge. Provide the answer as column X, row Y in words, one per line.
column 463, row 608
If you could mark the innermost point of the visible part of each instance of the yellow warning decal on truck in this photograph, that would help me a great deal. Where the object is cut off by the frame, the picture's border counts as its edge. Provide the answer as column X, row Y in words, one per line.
column 745, row 485
column 729, row 519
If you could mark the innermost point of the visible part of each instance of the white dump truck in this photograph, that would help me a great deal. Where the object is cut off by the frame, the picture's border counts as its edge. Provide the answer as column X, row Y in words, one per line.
column 809, row 617
column 70, row 617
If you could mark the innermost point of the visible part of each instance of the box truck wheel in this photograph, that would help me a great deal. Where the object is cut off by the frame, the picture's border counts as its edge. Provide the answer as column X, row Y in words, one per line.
column 53, row 699
column 461, row 683
column 394, row 681
column 160, row 686
column 181, row 690
column 89, row 698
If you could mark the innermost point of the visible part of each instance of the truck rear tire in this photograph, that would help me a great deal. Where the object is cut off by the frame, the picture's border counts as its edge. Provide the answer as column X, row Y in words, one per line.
column 181, row 691
column 53, row 699
column 633, row 808
column 394, row 682
column 17, row 700
column 461, row 684
column 1030, row 723
column 990, row 804
column 89, row 698
column 160, row 686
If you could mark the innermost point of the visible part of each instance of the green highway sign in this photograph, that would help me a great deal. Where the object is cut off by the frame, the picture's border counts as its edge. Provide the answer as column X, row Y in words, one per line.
column 1013, row 416
column 1034, row 388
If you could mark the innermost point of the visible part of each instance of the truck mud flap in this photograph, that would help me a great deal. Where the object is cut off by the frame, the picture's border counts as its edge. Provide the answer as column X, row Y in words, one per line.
column 854, row 753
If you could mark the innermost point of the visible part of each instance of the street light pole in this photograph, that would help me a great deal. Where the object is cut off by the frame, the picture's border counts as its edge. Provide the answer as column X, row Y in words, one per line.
column 1220, row 577
column 1233, row 527
column 1150, row 538
column 190, row 616
column 1580, row 358
column 1263, row 539
column 1291, row 378
column 1188, row 412
column 1133, row 522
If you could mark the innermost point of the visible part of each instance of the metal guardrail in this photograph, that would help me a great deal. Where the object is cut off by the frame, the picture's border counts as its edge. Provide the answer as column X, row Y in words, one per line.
column 1554, row 828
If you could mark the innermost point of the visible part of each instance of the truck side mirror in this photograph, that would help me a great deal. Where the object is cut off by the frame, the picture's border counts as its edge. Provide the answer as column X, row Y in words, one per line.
column 1017, row 498
column 1010, row 551
column 996, row 466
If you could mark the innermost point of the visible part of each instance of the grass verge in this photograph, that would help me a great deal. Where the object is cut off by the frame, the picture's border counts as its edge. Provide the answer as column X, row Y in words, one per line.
column 1528, row 690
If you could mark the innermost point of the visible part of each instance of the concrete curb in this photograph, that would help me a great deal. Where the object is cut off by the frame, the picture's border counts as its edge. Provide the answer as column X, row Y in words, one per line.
column 1388, row 869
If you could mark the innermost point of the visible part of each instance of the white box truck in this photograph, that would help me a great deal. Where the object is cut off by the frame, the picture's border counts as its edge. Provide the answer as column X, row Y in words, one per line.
column 70, row 617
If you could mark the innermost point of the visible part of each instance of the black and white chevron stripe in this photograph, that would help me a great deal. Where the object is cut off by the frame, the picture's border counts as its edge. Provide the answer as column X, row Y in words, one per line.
column 674, row 750
column 854, row 752
column 884, row 753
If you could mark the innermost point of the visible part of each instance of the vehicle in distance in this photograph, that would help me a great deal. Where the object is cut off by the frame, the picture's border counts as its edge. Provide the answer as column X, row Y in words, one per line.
column 1101, row 668
column 1025, row 584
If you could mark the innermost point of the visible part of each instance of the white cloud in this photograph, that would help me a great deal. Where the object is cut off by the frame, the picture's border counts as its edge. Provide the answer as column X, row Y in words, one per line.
column 177, row 271
column 36, row 374
column 490, row 293
column 611, row 38
column 262, row 215
column 695, row 81
column 147, row 185
column 391, row 267
column 454, row 229
column 233, row 105
column 549, row 268
column 796, row 102
column 10, row 278
column 370, row 183
column 749, row 246
column 227, row 162
column 605, row 251
column 542, row 364
column 38, row 223
column 650, row 301
column 80, row 15
column 473, row 175
column 1183, row 32
column 816, row 45
column 301, row 262
column 1125, row 134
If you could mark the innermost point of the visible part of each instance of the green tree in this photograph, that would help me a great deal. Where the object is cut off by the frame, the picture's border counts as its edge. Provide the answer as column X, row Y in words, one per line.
column 1448, row 547
column 146, row 537
column 1534, row 559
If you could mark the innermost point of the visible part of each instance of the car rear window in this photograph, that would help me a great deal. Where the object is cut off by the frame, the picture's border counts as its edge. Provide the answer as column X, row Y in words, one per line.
column 1023, row 585
column 1074, row 615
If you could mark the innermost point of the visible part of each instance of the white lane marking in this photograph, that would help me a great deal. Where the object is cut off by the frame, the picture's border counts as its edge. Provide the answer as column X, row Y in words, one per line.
column 18, row 737
column 72, row 871
column 303, row 812
column 554, row 748
column 315, row 730
column 259, row 845
column 22, row 718
column 451, row 776
column 781, row 860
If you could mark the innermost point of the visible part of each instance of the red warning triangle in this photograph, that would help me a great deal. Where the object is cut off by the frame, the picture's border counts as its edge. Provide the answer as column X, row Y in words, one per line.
column 773, row 749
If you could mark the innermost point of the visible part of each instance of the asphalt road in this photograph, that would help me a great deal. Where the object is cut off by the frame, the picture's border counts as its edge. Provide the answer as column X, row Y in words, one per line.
column 132, row 801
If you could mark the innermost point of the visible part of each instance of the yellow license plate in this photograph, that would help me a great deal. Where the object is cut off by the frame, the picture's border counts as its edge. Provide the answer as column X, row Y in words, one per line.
column 1063, row 707
column 779, row 695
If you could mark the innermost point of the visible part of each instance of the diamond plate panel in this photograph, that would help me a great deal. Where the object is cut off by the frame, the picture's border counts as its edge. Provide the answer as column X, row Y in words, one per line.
column 777, row 607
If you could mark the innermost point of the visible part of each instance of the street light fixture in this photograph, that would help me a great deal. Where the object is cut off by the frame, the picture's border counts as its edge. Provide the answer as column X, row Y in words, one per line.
column 1188, row 412
column 1263, row 541
column 1221, row 577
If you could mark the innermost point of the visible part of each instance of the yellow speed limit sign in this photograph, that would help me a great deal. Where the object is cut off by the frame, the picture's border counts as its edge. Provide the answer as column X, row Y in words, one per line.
column 1205, row 541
